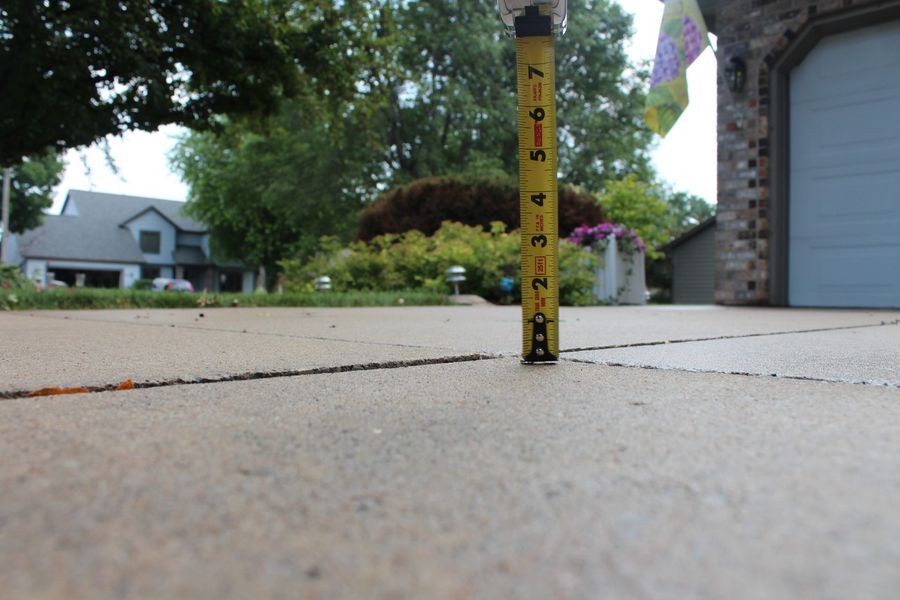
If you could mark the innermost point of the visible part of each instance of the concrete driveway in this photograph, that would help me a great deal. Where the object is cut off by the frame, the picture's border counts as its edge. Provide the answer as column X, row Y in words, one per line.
column 684, row 452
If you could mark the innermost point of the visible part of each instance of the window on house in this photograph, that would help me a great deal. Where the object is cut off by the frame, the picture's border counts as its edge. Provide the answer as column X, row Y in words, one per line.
column 150, row 242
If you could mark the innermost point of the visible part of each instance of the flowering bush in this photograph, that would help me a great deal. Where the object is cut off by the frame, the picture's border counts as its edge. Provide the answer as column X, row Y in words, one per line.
column 597, row 237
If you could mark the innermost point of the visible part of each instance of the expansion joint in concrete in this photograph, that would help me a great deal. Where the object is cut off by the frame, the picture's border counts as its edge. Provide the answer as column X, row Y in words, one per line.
column 249, row 376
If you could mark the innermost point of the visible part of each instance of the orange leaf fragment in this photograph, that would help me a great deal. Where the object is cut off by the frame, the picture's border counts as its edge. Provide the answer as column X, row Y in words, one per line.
column 125, row 385
column 56, row 391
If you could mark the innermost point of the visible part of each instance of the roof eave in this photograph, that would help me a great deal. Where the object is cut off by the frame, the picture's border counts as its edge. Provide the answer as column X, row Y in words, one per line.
column 144, row 212
column 691, row 233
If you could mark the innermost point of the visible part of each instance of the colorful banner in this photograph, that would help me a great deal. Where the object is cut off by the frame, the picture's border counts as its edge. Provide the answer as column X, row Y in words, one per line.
column 682, row 37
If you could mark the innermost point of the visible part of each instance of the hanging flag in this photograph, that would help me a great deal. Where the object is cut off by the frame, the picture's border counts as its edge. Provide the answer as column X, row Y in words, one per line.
column 682, row 37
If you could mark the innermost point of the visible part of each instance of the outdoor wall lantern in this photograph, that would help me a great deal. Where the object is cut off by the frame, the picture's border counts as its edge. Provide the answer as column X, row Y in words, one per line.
column 736, row 75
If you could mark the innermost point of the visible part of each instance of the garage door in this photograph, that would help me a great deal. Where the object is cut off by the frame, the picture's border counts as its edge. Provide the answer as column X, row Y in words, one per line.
column 844, row 216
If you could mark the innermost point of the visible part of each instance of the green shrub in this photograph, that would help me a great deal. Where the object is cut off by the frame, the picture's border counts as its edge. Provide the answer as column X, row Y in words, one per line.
column 12, row 278
column 415, row 261
column 142, row 284
column 425, row 204
column 13, row 284
column 576, row 275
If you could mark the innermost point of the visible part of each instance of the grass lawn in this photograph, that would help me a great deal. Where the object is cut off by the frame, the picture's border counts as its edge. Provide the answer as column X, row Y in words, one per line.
column 87, row 298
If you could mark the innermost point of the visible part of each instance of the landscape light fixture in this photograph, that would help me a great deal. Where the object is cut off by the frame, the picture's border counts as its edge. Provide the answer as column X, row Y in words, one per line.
column 456, row 275
column 510, row 9
column 736, row 75
column 323, row 283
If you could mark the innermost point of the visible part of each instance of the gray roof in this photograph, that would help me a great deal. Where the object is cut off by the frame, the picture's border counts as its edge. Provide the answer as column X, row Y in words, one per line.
column 691, row 233
column 77, row 238
column 118, row 209
column 96, row 233
column 190, row 255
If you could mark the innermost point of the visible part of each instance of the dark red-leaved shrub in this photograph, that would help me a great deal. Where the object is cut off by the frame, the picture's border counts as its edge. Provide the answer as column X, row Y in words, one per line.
column 472, row 200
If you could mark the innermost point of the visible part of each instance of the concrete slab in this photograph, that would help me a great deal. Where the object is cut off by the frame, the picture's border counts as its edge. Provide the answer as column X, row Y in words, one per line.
column 47, row 351
column 495, row 328
column 865, row 355
column 486, row 479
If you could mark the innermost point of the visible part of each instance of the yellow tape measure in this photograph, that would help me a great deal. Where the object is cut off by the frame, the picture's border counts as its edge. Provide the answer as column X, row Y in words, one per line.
column 536, row 69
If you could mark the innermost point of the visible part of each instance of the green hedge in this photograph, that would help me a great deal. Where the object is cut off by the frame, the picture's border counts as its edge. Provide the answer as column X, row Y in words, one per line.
column 87, row 298
column 425, row 204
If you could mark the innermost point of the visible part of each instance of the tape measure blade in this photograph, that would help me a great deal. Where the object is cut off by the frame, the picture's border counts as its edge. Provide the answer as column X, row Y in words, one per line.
column 536, row 119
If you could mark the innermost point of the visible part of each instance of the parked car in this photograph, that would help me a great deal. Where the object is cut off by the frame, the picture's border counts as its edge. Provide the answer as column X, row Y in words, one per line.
column 167, row 284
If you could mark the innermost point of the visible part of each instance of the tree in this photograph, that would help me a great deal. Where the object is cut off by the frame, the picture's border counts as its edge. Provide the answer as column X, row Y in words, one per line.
column 31, row 189
column 449, row 92
column 656, row 213
column 638, row 205
column 687, row 211
column 73, row 72
column 269, row 195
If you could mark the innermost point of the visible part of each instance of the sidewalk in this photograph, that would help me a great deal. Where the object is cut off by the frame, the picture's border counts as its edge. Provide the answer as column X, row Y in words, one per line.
column 674, row 452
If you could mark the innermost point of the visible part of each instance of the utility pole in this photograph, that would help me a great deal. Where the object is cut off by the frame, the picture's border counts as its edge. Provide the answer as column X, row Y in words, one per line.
column 7, row 174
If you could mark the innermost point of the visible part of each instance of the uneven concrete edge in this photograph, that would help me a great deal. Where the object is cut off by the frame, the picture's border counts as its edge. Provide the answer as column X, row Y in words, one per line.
column 730, row 337
column 734, row 373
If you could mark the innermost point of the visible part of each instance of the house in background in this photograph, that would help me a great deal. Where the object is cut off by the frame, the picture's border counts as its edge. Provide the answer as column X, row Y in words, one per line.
column 808, row 152
column 110, row 240
column 693, row 264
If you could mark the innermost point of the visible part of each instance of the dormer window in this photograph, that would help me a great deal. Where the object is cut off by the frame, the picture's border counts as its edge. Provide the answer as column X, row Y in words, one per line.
column 149, row 241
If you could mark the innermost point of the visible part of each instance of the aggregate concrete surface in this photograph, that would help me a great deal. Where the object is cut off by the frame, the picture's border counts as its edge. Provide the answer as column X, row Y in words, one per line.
column 857, row 355
column 492, row 328
column 471, row 479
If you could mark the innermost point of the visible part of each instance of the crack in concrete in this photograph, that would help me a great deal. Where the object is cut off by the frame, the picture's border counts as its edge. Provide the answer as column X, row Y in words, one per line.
column 729, row 337
column 244, row 332
column 736, row 373
column 255, row 375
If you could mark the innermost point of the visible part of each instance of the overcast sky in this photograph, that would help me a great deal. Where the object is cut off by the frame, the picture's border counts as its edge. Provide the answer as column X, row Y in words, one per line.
column 686, row 158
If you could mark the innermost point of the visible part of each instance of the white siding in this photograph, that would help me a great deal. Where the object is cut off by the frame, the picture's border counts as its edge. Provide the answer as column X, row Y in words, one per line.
column 248, row 282
column 36, row 270
column 153, row 221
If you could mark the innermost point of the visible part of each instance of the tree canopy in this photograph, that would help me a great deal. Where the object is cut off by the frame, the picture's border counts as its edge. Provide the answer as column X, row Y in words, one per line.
column 450, row 94
column 31, row 189
column 73, row 72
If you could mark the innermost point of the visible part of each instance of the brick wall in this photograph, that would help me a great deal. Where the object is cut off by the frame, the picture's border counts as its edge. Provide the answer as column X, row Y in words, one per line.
column 757, row 31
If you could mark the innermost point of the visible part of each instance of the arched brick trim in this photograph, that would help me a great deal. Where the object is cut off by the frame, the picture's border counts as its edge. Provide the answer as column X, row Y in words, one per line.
column 789, row 51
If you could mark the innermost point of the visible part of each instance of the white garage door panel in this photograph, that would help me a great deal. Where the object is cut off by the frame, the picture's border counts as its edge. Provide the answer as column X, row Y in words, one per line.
column 844, row 228
column 861, row 203
column 849, row 275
